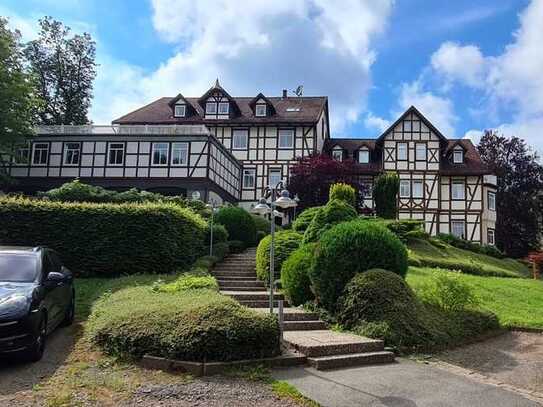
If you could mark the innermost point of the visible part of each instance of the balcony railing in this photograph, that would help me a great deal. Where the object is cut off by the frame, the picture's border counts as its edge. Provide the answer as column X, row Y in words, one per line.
column 125, row 130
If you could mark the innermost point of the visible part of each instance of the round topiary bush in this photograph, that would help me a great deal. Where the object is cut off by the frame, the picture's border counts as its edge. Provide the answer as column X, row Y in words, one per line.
column 381, row 299
column 343, row 192
column 239, row 223
column 302, row 221
column 220, row 234
column 350, row 248
column 286, row 241
column 332, row 213
column 262, row 224
column 295, row 275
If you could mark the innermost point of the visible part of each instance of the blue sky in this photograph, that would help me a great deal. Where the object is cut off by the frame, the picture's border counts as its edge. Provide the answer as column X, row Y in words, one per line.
column 467, row 65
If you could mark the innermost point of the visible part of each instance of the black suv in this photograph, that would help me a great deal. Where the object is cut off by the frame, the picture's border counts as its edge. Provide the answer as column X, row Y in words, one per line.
column 36, row 296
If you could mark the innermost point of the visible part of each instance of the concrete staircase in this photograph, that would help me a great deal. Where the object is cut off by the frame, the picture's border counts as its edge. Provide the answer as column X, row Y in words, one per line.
column 303, row 331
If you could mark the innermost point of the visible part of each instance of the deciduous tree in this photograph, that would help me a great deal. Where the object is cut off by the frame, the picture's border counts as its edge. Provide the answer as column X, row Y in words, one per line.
column 520, row 181
column 65, row 68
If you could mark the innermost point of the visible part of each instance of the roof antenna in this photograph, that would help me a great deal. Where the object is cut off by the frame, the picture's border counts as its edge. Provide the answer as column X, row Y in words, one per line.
column 299, row 91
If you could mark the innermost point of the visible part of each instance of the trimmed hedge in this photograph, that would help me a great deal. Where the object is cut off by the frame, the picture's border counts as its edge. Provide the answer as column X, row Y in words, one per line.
column 350, row 248
column 343, row 192
column 302, row 221
column 197, row 325
column 106, row 239
column 460, row 243
column 295, row 275
column 239, row 223
column 220, row 234
column 262, row 224
column 332, row 213
column 286, row 241
column 385, row 190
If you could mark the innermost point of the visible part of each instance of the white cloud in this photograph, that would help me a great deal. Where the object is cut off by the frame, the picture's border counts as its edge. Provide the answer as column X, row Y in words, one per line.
column 375, row 122
column 439, row 110
column 463, row 63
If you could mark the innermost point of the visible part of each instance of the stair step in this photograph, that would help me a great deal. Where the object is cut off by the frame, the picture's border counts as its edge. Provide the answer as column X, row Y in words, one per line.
column 260, row 303
column 304, row 325
column 292, row 314
column 352, row 359
column 229, row 277
column 234, row 288
column 251, row 295
column 328, row 343
column 234, row 274
column 239, row 283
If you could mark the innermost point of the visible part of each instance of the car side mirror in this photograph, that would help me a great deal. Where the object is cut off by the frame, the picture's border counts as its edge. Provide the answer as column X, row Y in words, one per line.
column 55, row 277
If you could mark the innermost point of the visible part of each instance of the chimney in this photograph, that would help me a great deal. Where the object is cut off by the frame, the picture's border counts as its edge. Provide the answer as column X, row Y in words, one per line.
column 284, row 93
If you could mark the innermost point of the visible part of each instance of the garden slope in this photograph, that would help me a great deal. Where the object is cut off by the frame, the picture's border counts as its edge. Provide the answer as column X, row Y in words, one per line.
column 516, row 302
column 423, row 253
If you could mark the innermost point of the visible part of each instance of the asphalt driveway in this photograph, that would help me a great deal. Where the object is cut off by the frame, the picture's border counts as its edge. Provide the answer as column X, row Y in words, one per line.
column 403, row 384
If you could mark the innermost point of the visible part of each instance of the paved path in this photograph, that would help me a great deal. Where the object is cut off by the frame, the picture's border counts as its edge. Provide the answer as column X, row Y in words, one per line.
column 403, row 384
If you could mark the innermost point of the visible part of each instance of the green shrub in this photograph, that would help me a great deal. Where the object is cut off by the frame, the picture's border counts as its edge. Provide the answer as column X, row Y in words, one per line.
column 220, row 250
column 343, row 192
column 206, row 262
column 199, row 325
column 350, row 248
column 407, row 229
column 260, row 235
column 190, row 282
column 332, row 213
column 302, row 221
column 449, row 292
column 471, row 246
column 295, row 275
column 286, row 241
column 379, row 304
column 385, row 190
column 239, row 223
column 220, row 234
column 236, row 246
column 262, row 224
column 106, row 239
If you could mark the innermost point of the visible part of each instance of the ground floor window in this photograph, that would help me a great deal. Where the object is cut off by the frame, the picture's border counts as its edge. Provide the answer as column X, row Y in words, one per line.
column 405, row 188
column 249, row 178
column 490, row 237
column 458, row 228
column 274, row 177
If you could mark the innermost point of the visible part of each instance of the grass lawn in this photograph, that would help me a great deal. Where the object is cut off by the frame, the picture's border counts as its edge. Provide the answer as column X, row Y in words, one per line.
column 516, row 302
column 423, row 253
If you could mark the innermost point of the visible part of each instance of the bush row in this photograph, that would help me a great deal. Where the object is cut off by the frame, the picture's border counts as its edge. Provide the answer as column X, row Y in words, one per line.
column 107, row 239
column 455, row 241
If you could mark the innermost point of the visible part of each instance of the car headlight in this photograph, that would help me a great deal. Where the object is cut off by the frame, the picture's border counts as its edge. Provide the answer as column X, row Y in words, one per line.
column 14, row 305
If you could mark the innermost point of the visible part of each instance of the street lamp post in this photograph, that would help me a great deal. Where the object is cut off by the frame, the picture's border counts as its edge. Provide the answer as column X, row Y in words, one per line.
column 262, row 208
column 211, row 205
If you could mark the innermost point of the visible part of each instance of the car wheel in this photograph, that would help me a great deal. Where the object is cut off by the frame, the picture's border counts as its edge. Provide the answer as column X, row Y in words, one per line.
column 70, row 312
column 38, row 347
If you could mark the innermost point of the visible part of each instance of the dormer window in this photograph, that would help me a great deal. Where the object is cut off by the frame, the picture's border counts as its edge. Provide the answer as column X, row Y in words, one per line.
column 211, row 108
column 180, row 110
column 260, row 110
column 337, row 154
column 224, row 108
column 364, row 156
column 458, row 155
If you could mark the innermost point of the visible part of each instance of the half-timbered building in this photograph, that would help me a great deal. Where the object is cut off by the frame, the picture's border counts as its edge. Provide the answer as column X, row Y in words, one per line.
column 230, row 148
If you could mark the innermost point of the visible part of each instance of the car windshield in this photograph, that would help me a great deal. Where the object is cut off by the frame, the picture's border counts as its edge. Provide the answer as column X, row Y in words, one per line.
column 17, row 268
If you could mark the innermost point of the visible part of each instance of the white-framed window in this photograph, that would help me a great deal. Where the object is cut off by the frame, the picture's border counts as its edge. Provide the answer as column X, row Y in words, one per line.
column 337, row 154
column 491, row 237
column 286, row 138
column 492, row 201
column 224, row 108
column 402, row 151
column 420, row 152
column 405, row 188
column 364, row 156
column 211, row 108
column 274, row 177
column 249, row 178
column 260, row 110
column 180, row 110
column 40, row 153
column 72, row 153
column 458, row 189
column 180, row 153
column 116, row 154
column 418, row 188
column 458, row 228
column 458, row 156
column 22, row 155
column 160, row 154
column 240, row 139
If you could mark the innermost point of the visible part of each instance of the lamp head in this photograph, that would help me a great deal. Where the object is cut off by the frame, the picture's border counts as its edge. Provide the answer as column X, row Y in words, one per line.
column 261, row 208
column 284, row 201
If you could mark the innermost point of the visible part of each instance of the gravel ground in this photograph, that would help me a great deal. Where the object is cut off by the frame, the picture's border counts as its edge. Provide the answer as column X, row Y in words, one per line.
column 514, row 358
column 213, row 392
